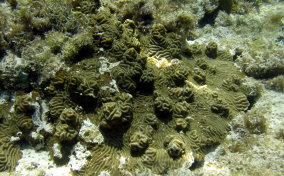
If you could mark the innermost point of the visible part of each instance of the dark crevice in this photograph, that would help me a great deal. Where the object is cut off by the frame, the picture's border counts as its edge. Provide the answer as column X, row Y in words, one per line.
column 209, row 18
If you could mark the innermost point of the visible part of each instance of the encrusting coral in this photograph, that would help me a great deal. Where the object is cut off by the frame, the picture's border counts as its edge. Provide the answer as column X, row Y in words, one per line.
column 125, row 84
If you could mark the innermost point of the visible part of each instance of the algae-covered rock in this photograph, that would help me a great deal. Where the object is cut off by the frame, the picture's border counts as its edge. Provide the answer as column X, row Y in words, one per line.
column 276, row 83
column 211, row 50
column 255, row 121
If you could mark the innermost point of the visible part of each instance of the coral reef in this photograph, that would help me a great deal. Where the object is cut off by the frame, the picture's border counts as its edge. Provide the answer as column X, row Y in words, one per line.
column 135, row 85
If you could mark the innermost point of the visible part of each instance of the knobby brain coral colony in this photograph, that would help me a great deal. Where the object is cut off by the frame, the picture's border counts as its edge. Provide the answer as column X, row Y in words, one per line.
column 146, row 94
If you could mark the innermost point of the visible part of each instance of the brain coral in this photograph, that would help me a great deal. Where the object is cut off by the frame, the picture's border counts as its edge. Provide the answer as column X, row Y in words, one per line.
column 64, row 132
column 9, row 156
column 175, row 146
column 139, row 142
column 116, row 114
column 159, row 103
column 23, row 104
column 163, row 105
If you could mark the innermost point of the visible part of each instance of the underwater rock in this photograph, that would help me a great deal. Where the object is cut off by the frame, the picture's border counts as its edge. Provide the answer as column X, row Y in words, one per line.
column 255, row 121
column 90, row 133
column 85, row 6
column 276, row 83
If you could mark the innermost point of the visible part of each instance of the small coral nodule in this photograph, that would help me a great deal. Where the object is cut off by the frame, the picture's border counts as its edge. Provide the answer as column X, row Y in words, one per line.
column 152, row 120
column 139, row 142
column 211, row 50
column 181, row 124
column 115, row 114
column 163, row 104
column 69, row 116
column 174, row 146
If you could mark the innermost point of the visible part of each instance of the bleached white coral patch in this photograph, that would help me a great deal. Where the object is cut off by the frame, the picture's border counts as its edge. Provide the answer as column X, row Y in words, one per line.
column 79, row 157
column 39, row 163
column 106, row 66
column 90, row 133
column 112, row 87
column 16, row 137
column 57, row 150
column 4, row 97
column 40, row 117
column 38, row 137
column 105, row 173
column 122, row 162
column 189, row 159
column 10, row 64
column 161, row 62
